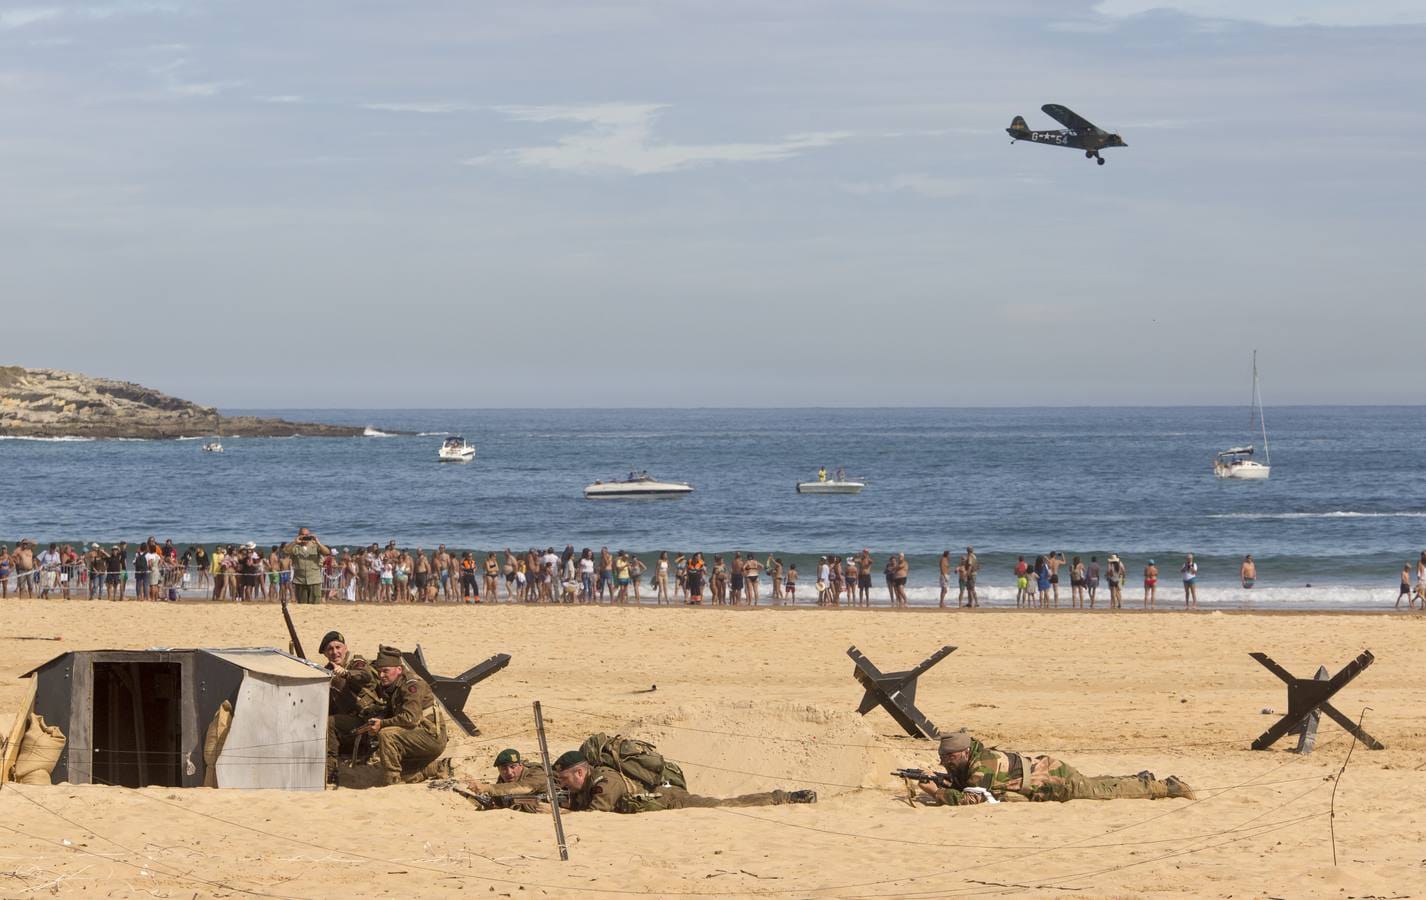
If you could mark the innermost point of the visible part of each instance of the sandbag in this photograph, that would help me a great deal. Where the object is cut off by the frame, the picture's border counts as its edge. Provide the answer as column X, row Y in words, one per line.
column 213, row 740
column 39, row 752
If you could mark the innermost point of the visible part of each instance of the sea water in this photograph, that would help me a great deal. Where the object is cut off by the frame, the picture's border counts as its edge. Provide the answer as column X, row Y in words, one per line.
column 1344, row 509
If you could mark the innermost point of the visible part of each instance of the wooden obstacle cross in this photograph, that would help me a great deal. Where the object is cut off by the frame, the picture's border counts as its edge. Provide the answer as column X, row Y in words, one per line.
column 453, row 692
column 1308, row 699
column 896, row 691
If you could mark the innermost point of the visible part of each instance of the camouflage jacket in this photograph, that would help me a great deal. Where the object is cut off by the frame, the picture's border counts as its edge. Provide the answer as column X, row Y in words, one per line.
column 1007, row 776
column 357, row 692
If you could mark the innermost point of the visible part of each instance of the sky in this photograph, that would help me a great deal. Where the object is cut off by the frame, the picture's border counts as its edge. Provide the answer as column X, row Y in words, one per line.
column 715, row 202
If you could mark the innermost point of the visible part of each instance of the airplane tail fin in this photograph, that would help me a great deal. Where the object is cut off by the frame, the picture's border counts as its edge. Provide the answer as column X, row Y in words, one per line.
column 1018, row 127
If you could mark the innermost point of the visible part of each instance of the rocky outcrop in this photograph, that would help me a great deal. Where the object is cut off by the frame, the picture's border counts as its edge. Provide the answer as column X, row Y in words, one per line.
column 51, row 403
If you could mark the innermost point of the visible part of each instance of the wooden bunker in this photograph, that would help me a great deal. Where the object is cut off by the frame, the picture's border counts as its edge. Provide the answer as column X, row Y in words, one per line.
column 141, row 717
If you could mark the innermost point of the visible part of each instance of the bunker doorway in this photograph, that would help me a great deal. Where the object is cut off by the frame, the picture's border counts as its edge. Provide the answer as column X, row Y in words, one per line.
column 138, row 728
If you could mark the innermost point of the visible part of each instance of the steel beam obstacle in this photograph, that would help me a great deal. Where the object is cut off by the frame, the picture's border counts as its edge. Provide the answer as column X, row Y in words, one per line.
column 453, row 692
column 1308, row 699
column 896, row 691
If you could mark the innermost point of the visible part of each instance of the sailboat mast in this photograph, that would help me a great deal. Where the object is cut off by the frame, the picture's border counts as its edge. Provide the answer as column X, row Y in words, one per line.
column 1258, row 406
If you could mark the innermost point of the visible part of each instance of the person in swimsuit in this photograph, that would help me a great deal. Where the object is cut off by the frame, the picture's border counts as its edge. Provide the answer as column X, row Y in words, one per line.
column 1151, row 581
column 1406, row 588
column 1076, row 584
column 789, row 587
column 1248, row 572
column 1091, row 579
column 695, row 580
column 1189, row 570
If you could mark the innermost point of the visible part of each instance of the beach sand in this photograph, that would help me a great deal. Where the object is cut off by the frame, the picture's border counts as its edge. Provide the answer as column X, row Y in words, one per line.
column 752, row 700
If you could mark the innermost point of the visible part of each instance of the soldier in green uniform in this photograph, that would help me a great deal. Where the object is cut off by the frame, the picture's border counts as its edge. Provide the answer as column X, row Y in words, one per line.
column 354, row 696
column 410, row 730
column 603, row 789
column 306, row 553
column 976, row 774
column 517, row 784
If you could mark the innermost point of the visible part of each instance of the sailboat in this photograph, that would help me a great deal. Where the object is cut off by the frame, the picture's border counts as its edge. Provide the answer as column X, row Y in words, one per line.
column 1238, row 462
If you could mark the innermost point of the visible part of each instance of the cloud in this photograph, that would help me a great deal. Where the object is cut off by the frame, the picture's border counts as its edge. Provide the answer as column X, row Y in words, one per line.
column 1282, row 13
column 201, row 88
column 430, row 108
column 19, row 18
column 32, row 15
column 618, row 137
column 280, row 98
column 915, row 183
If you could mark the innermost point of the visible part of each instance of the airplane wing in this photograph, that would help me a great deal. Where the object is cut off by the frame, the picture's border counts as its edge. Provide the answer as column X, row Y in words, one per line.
column 1070, row 119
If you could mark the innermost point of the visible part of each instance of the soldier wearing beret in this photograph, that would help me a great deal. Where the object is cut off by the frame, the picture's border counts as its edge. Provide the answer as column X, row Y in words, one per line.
column 517, row 778
column 410, row 730
column 354, row 696
column 976, row 773
column 602, row 789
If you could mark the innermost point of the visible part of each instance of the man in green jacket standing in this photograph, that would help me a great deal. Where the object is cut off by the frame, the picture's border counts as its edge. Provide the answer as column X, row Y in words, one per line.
column 306, row 553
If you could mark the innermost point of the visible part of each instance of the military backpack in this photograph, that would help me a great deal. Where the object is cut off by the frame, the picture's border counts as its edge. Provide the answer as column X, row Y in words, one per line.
column 638, row 761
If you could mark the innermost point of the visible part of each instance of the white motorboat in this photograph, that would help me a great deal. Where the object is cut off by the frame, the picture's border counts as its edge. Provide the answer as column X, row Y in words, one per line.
column 839, row 483
column 213, row 447
column 831, row 486
column 1238, row 462
column 455, row 449
column 638, row 486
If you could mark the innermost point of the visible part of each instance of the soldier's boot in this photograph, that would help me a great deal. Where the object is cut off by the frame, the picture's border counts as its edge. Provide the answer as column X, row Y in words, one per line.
column 1146, row 775
column 803, row 796
column 1178, row 788
column 440, row 769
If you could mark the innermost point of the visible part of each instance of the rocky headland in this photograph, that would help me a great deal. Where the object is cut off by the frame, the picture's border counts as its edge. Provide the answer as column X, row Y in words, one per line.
column 51, row 403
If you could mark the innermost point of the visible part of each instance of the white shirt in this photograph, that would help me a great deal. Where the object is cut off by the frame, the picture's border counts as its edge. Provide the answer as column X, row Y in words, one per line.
column 586, row 566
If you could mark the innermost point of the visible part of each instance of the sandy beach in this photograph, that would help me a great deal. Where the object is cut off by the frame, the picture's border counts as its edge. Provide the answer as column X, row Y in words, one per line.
column 749, row 700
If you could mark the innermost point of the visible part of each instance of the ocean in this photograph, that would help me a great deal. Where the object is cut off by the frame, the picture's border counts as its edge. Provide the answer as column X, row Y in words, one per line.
column 1344, row 509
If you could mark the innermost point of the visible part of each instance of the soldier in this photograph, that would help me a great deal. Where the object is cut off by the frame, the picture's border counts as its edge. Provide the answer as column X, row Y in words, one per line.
column 976, row 773
column 410, row 731
column 354, row 696
column 517, row 779
column 603, row 789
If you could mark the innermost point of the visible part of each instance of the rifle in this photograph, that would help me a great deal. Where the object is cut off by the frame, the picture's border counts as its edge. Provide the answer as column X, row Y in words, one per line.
column 921, row 776
column 505, row 801
column 292, row 632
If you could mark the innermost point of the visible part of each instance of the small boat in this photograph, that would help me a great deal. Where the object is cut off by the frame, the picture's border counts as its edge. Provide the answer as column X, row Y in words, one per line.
column 1238, row 462
column 831, row 486
column 213, row 447
column 839, row 483
column 637, row 486
column 455, row 449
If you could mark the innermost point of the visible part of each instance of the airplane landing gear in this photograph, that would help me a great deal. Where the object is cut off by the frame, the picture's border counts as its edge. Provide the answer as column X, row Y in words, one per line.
column 1089, row 154
column 1099, row 159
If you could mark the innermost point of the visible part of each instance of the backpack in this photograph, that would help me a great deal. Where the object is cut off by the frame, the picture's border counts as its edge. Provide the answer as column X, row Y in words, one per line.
column 638, row 761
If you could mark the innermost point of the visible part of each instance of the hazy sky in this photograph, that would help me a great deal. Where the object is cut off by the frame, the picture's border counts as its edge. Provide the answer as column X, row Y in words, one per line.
column 726, row 203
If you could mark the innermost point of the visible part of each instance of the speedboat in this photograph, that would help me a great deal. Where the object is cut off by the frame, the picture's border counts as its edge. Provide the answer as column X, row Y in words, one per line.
column 836, row 486
column 455, row 449
column 637, row 486
column 213, row 447
column 1238, row 462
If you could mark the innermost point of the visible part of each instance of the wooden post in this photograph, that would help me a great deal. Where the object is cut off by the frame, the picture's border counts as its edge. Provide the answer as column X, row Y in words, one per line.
column 550, row 783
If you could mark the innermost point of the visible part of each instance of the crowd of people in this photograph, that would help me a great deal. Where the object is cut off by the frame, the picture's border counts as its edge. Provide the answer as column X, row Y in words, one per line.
column 306, row 570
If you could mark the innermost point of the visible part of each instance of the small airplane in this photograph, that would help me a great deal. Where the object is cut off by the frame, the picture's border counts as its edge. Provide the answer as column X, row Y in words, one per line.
column 1078, row 132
